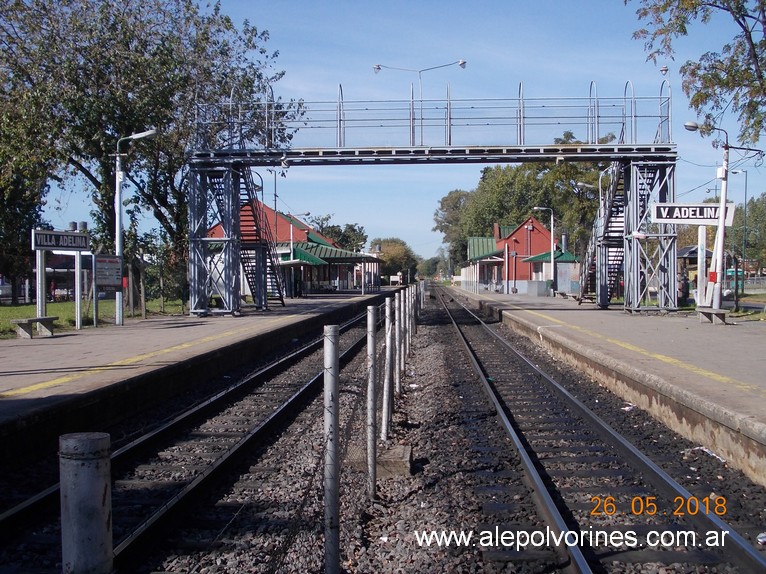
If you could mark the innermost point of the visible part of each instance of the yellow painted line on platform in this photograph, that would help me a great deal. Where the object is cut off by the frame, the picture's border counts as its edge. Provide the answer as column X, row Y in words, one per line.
column 128, row 361
column 641, row 351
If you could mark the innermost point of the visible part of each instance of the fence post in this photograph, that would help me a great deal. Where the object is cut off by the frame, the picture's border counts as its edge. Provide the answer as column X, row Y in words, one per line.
column 389, row 367
column 372, row 378
column 331, row 462
column 86, row 503
column 398, row 344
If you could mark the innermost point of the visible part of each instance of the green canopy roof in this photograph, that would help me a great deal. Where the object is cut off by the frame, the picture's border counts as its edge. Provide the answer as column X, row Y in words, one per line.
column 481, row 247
column 321, row 254
column 303, row 256
column 565, row 257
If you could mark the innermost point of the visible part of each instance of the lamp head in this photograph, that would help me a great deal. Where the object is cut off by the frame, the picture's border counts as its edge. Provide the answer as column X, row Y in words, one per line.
column 461, row 63
column 376, row 68
column 691, row 126
column 140, row 135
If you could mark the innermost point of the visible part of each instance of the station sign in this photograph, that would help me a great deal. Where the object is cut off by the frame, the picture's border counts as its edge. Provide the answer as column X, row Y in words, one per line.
column 108, row 271
column 45, row 239
column 690, row 213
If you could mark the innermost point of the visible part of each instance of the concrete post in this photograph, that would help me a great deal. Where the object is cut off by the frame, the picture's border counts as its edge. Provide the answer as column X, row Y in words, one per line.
column 86, row 503
column 41, row 278
column 78, row 290
column 372, row 378
column 331, row 462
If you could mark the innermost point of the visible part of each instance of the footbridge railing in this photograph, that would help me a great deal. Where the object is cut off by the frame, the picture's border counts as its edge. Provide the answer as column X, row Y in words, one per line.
column 451, row 123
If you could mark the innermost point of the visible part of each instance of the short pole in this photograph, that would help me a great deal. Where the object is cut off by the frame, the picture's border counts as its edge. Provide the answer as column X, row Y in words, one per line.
column 331, row 463
column 372, row 377
column 398, row 344
column 86, row 503
column 389, row 371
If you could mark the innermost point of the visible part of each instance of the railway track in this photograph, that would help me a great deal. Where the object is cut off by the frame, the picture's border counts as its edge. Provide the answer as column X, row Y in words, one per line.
column 161, row 474
column 599, row 499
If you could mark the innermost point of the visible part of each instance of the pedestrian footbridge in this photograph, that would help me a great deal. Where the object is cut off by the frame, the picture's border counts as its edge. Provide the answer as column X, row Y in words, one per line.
column 629, row 135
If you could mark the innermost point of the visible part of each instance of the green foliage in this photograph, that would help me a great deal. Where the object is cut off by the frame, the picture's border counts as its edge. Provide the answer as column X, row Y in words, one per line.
column 90, row 72
column 396, row 257
column 505, row 195
column 429, row 267
column 729, row 77
column 351, row 236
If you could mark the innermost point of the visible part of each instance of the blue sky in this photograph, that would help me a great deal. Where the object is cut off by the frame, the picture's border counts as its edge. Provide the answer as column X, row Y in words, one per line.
column 555, row 48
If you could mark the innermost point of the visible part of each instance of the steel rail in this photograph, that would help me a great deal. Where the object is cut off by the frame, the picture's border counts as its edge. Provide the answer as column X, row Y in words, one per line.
column 129, row 550
column 46, row 501
column 744, row 554
column 545, row 503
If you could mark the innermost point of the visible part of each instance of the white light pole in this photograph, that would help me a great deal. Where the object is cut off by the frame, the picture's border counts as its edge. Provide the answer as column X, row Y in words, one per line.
column 553, row 259
column 118, row 302
column 292, row 251
column 720, row 232
column 378, row 67
column 292, row 216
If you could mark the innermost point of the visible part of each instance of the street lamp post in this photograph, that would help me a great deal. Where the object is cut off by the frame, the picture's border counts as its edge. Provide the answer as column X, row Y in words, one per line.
column 718, row 270
column 119, row 315
column 378, row 67
column 553, row 258
column 292, row 251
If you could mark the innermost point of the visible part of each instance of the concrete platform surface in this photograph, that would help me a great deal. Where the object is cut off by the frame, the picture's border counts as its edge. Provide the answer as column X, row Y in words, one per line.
column 40, row 371
column 696, row 373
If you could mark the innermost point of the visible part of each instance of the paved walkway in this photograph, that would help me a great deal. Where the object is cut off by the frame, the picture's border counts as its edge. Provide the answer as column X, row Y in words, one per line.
column 77, row 362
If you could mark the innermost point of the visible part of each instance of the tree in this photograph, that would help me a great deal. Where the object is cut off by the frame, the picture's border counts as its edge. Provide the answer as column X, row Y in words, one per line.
column 732, row 78
column 121, row 67
column 20, row 212
column 429, row 267
column 351, row 236
column 504, row 195
column 448, row 219
column 396, row 257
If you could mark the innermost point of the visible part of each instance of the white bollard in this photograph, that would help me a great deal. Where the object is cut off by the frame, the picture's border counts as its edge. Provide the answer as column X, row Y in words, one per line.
column 86, row 503
column 372, row 379
column 331, row 462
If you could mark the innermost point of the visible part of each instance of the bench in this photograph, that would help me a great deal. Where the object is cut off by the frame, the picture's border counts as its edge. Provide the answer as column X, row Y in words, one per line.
column 44, row 326
column 715, row 316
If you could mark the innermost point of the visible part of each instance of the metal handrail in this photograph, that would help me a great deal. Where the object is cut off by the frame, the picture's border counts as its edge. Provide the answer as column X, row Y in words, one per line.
column 442, row 122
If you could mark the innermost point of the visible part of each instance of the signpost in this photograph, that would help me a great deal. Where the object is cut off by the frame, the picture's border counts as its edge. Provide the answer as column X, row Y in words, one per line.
column 107, row 272
column 701, row 214
column 690, row 214
column 46, row 239
column 60, row 240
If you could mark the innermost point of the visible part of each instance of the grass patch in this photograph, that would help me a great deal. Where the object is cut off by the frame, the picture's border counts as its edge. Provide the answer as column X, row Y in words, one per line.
column 65, row 311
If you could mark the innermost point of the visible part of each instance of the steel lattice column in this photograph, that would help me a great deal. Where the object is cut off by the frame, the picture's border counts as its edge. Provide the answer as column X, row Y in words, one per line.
column 198, row 226
column 214, row 262
column 650, row 248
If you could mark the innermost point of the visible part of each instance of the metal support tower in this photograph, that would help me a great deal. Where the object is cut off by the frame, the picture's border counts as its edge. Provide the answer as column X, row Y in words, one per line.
column 214, row 262
column 650, row 248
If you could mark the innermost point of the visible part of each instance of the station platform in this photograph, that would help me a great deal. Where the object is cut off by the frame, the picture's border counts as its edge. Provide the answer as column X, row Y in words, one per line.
column 706, row 381
column 58, row 381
